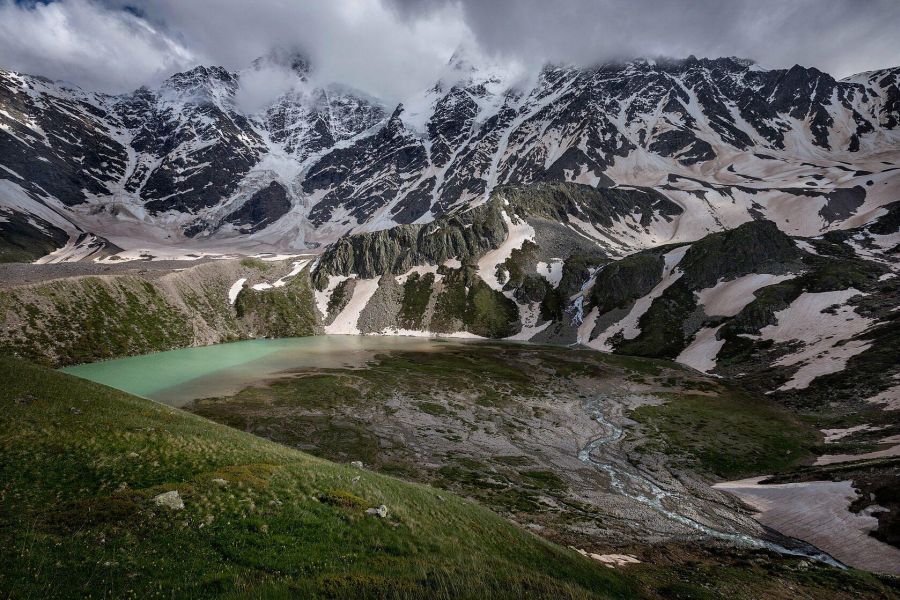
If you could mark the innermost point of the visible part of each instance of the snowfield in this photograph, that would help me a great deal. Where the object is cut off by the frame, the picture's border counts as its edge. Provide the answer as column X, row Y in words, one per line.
column 728, row 298
column 518, row 232
column 818, row 512
column 345, row 322
column 825, row 324
column 702, row 351
column 552, row 272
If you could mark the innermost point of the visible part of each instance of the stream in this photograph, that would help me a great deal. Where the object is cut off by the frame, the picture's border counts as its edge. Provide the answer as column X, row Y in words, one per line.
column 178, row 377
column 633, row 482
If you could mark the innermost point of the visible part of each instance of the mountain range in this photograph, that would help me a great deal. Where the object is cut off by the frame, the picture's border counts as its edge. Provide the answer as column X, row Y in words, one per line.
column 740, row 220
column 723, row 140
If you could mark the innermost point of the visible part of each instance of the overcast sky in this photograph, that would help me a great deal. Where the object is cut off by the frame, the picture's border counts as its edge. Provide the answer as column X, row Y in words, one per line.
column 392, row 48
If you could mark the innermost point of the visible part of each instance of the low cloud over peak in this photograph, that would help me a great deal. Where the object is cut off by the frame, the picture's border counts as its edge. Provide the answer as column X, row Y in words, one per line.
column 395, row 48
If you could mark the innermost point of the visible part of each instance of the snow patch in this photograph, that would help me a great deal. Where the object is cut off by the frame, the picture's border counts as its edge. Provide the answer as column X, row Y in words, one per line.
column 322, row 297
column 530, row 315
column 610, row 560
column 428, row 334
column 298, row 266
column 701, row 353
column 551, row 272
column 345, row 322
column 586, row 326
column 518, row 233
column 833, row 459
column 421, row 270
column 818, row 512
column 728, row 298
column 833, row 435
column 805, row 246
column 825, row 325
column 236, row 289
column 889, row 397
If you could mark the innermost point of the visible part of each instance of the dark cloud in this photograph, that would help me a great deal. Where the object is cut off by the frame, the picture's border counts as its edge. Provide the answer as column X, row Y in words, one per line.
column 838, row 36
column 392, row 48
column 118, row 46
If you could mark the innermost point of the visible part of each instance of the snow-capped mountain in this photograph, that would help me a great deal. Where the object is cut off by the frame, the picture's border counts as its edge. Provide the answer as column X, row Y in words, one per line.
column 187, row 164
column 683, row 209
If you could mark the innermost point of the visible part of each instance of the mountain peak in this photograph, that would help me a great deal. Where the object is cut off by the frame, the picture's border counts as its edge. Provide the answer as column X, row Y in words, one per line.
column 199, row 74
column 201, row 82
column 292, row 59
column 464, row 60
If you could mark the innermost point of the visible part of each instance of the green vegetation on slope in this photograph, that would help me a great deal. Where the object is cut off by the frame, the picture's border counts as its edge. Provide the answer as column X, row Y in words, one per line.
column 416, row 294
column 704, row 425
column 353, row 414
column 81, row 463
column 728, row 436
column 460, row 234
column 622, row 282
column 87, row 318
column 93, row 318
column 285, row 311
column 468, row 303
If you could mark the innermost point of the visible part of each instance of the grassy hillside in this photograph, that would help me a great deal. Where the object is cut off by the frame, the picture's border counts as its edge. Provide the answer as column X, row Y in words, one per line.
column 729, row 436
column 80, row 465
column 71, row 320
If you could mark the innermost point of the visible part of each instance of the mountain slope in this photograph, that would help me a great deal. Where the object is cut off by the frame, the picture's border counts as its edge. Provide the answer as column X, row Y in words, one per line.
column 258, row 519
column 645, row 207
column 521, row 266
column 723, row 139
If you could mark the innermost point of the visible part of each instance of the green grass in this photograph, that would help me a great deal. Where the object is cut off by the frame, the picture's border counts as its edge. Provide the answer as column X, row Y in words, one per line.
column 417, row 291
column 730, row 435
column 285, row 311
column 80, row 463
column 255, row 263
column 91, row 319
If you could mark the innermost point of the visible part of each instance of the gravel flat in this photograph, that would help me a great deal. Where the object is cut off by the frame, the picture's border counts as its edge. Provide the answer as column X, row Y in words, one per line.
column 16, row 274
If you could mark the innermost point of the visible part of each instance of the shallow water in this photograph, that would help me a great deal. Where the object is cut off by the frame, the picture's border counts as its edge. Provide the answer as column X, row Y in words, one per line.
column 178, row 377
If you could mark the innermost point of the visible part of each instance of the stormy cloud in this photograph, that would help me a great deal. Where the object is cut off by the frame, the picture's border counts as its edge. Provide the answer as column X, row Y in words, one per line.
column 393, row 48
column 841, row 37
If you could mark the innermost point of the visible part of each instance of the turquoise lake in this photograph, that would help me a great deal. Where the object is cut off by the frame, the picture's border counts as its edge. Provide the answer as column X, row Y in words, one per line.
column 178, row 377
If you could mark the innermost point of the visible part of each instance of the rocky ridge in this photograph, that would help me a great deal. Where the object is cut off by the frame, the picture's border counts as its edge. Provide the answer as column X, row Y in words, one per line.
column 186, row 163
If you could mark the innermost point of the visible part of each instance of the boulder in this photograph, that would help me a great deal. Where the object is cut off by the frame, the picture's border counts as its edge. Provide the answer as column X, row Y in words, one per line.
column 170, row 500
